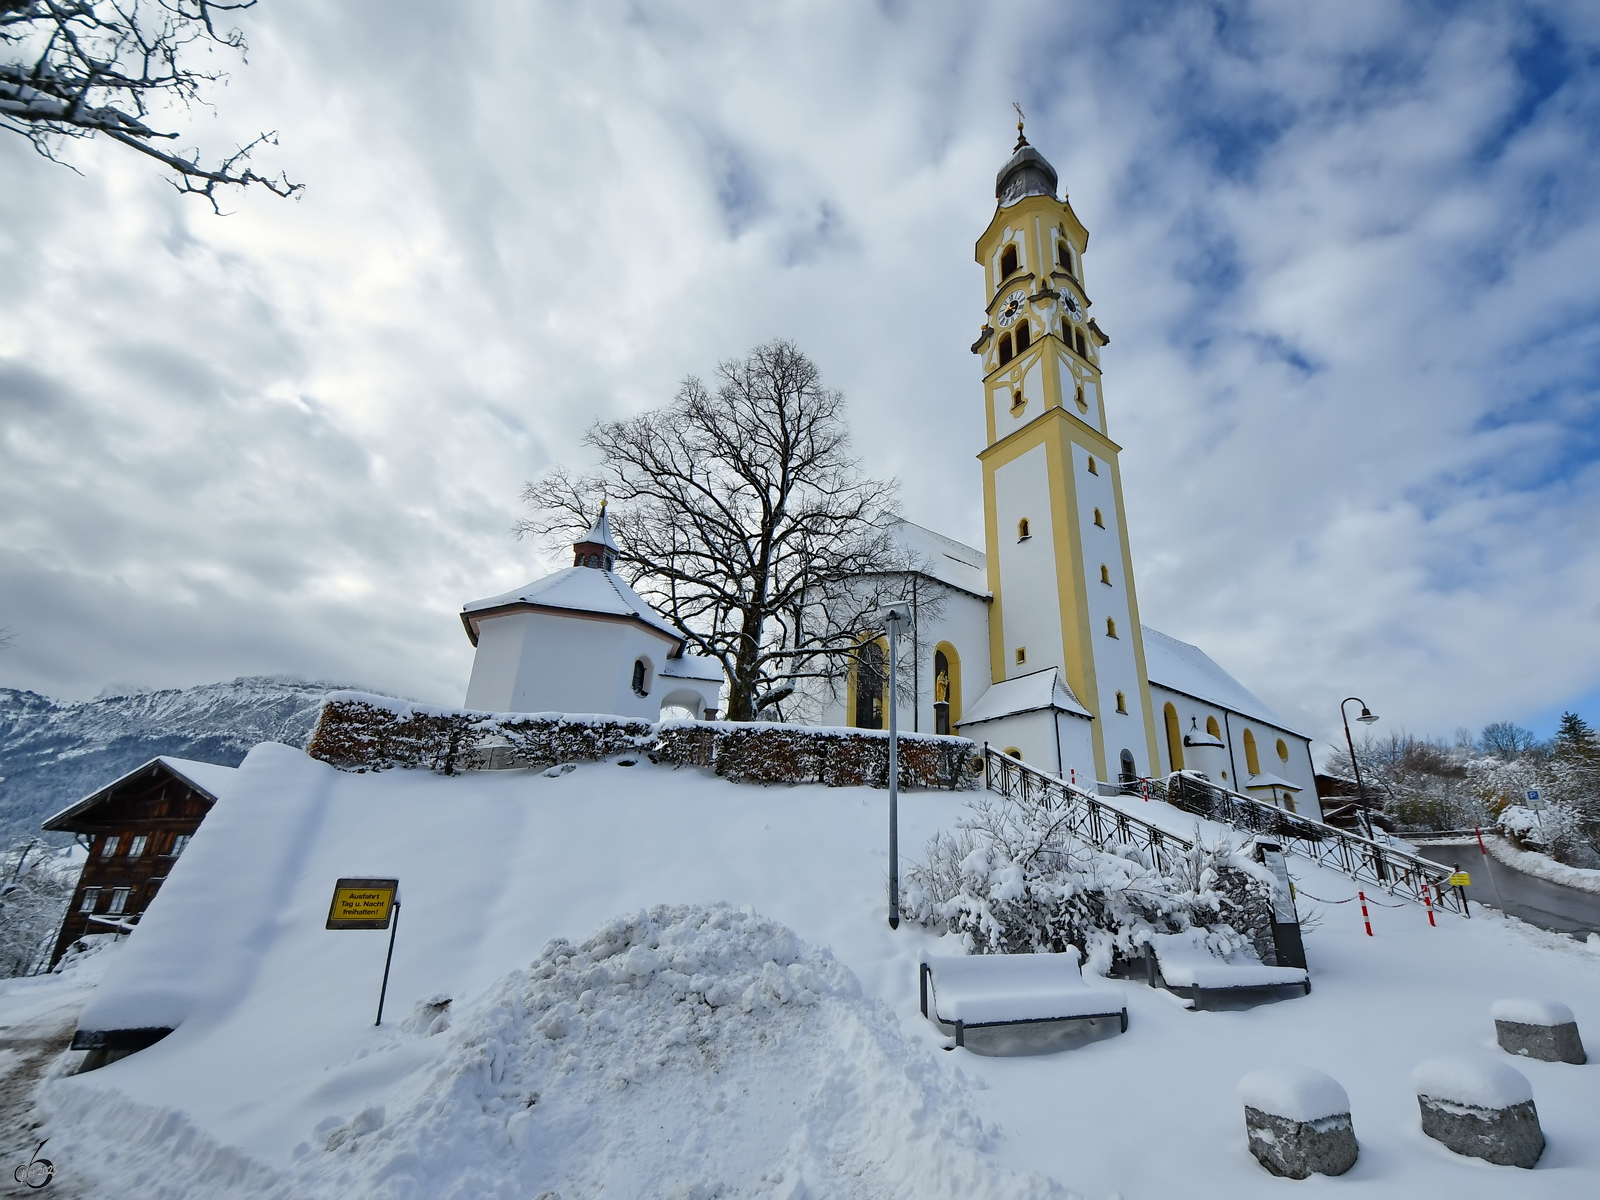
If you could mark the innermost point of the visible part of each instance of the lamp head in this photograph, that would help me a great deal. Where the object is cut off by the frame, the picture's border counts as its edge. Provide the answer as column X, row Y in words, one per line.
column 1366, row 718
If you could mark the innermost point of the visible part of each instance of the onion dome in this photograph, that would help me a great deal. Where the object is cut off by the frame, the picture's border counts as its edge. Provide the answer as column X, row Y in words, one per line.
column 1027, row 174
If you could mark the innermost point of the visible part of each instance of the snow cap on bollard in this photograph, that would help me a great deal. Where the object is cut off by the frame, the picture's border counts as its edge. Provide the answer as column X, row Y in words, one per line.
column 1479, row 1107
column 1542, row 1029
column 1298, row 1122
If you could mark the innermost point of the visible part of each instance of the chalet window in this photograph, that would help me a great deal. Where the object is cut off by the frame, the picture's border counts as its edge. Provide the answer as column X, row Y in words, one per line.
column 137, row 846
column 91, row 898
column 178, row 843
column 1006, row 354
column 119, row 901
column 109, row 847
column 1008, row 262
column 1024, row 339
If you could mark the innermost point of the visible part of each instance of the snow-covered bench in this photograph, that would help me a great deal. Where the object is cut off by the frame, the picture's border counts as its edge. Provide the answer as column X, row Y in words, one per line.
column 1188, row 968
column 973, row 991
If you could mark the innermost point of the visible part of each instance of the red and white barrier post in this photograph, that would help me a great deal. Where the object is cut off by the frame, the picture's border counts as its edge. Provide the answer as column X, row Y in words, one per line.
column 1427, row 899
column 1367, row 919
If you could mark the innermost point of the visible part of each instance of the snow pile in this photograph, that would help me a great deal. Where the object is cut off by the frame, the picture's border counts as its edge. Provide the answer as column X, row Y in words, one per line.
column 685, row 1051
column 1532, row 1012
column 1473, row 1080
column 1294, row 1093
column 1522, row 822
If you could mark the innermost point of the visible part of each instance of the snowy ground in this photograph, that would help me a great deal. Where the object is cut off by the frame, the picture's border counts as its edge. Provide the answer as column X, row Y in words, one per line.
column 836, row 1091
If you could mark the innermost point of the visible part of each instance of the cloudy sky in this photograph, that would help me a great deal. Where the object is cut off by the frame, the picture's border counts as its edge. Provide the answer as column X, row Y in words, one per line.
column 1347, row 254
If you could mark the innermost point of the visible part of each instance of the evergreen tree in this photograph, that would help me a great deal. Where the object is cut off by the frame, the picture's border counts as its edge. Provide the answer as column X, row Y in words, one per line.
column 1575, row 738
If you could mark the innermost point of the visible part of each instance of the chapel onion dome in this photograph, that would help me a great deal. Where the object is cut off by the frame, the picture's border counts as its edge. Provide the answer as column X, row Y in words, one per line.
column 596, row 548
column 1027, row 174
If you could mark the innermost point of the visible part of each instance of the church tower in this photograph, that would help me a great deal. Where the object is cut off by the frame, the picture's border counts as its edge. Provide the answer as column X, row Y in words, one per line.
column 1059, row 565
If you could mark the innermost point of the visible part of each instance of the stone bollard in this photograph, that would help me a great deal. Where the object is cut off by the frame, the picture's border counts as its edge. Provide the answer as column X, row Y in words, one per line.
column 1298, row 1122
column 1543, row 1029
column 1480, row 1108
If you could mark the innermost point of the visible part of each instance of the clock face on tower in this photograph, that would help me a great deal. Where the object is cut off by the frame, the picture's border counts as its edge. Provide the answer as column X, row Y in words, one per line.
column 1070, row 303
column 1012, row 309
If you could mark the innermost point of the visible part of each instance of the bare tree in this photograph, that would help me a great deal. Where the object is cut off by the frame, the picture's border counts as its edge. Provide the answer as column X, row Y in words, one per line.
column 745, row 520
column 77, row 68
column 36, row 884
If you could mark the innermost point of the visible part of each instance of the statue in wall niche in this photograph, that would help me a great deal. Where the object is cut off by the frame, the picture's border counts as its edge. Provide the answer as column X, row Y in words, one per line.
column 941, row 688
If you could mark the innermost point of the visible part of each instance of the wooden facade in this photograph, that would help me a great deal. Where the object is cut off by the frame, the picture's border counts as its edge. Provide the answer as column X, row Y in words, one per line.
column 135, row 829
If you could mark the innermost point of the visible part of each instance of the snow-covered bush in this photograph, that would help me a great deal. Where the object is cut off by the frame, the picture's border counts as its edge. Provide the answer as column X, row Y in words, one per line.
column 36, row 883
column 1560, row 831
column 1012, row 880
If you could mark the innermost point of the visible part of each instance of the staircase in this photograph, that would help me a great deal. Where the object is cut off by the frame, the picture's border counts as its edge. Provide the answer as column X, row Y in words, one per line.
column 1109, row 826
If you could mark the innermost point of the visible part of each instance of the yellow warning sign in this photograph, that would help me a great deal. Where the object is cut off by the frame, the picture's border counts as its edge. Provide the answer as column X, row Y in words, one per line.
column 1461, row 879
column 362, row 903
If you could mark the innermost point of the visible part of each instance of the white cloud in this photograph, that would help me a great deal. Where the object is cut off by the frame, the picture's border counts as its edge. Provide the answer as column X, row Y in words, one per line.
column 1353, row 309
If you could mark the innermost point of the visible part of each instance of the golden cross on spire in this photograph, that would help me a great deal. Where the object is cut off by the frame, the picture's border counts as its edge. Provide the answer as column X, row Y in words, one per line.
column 1021, row 140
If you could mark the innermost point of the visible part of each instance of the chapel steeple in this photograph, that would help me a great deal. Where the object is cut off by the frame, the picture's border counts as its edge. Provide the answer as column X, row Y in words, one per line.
column 1027, row 174
column 596, row 548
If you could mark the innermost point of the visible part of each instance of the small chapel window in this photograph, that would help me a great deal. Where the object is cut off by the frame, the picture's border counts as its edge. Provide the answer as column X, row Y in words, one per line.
column 1098, row 519
column 1023, row 532
column 1024, row 339
column 1008, row 262
column 1093, row 470
column 1006, row 354
column 1111, row 627
column 1017, row 402
column 1105, row 574
column 1083, row 405
column 1122, row 703
column 1283, row 750
column 641, row 672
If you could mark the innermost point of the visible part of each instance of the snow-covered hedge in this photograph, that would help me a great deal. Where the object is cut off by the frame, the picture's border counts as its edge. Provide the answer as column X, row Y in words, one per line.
column 1011, row 880
column 358, row 732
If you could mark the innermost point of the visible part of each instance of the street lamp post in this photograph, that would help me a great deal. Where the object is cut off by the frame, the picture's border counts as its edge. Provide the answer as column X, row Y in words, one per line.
column 896, row 618
column 1367, row 717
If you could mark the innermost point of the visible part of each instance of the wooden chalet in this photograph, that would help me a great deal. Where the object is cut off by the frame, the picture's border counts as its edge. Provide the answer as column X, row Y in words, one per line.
column 134, row 829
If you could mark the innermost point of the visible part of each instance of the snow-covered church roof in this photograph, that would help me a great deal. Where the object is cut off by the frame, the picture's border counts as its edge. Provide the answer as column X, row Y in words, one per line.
column 1181, row 667
column 945, row 559
column 1024, row 694
column 576, row 589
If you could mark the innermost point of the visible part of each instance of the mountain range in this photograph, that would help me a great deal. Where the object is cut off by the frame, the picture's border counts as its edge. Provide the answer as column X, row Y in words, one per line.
column 53, row 754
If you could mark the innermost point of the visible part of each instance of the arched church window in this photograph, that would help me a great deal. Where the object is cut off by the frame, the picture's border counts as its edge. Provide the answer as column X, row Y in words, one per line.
column 1093, row 470
column 1111, row 629
column 1105, row 574
column 1252, row 760
column 1017, row 402
column 1083, row 405
column 1008, row 262
column 1006, row 354
column 1169, row 717
column 1080, row 344
column 1122, row 703
column 946, row 687
column 1024, row 338
column 641, row 678
column 1213, row 728
column 869, row 690
column 1023, row 530
column 1098, row 519
column 1130, row 773
column 1283, row 750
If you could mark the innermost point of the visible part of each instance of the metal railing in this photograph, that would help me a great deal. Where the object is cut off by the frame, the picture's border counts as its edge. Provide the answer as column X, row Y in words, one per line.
column 1362, row 859
column 1089, row 819
column 1107, row 826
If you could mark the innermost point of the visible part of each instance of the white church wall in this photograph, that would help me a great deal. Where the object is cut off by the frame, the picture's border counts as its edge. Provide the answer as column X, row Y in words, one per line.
column 1032, row 611
column 1115, row 665
column 1226, row 764
column 1075, row 375
column 544, row 662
